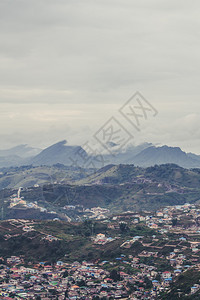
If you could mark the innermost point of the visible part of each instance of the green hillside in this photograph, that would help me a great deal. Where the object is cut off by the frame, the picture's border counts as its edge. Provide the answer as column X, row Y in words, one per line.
column 117, row 188
column 73, row 241
column 168, row 173
column 27, row 176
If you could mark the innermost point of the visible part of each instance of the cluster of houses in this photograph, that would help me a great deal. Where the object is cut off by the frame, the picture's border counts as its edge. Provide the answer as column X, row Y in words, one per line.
column 174, row 238
column 84, row 280
column 96, row 213
column 60, row 281
column 78, row 212
column 102, row 239
column 23, row 227
column 17, row 201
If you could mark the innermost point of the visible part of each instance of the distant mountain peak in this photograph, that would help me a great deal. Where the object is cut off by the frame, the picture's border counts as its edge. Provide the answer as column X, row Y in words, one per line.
column 164, row 155
column 59, row 153
column 63, row 142
column 22, row 151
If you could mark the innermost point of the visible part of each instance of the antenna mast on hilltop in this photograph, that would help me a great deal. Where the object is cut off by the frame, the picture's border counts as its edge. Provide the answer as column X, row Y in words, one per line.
column 2, row 213
column 92, row 229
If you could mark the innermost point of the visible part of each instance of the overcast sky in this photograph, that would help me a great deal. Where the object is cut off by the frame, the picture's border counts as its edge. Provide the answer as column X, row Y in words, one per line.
column 67, row 66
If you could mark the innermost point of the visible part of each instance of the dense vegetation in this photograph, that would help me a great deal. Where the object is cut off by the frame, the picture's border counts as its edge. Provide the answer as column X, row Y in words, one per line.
column 182, row 287
column 118, row 188
column 74, row 241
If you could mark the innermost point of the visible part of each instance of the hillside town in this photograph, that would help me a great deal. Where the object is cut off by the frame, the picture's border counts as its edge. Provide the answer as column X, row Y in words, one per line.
column 148, row 264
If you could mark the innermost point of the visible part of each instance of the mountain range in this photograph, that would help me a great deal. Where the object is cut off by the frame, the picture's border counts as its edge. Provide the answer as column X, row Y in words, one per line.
column 143, row 155
column 22, row 151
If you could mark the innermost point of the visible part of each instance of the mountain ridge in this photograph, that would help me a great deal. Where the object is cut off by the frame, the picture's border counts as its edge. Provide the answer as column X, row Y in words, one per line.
column 144, row 155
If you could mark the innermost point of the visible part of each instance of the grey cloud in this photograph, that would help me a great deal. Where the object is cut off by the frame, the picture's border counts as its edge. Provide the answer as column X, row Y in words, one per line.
column 84, row 52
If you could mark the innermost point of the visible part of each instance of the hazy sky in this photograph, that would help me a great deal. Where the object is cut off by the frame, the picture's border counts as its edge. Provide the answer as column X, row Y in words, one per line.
column 67, row 66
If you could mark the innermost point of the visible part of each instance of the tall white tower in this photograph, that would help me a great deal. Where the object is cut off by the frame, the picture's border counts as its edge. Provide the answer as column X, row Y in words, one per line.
column 19, row 191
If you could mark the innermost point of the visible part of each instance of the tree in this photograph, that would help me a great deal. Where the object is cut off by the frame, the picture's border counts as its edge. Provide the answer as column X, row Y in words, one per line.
column 123, row 227
column 66, row 294
column 148, row 283
column 174, row 222
column 115, row 275
column 81, row 283
column 65, row 274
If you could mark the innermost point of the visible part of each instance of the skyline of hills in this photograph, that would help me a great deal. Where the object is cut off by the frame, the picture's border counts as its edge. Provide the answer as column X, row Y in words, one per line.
column 143, row 155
